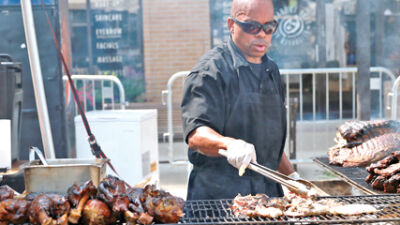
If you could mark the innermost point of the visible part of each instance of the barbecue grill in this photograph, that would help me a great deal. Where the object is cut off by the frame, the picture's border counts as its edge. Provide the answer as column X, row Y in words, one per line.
column 353, row 175
column 219, row 212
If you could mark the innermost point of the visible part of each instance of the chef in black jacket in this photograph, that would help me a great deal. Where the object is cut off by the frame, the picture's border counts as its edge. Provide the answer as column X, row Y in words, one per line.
column 233, row 100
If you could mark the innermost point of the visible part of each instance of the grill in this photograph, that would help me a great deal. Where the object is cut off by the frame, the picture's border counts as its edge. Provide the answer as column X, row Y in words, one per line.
column 219, row 212
column 353, row 175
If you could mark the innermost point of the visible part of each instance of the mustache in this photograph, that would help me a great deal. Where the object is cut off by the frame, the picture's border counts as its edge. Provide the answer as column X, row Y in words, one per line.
column 260, row 41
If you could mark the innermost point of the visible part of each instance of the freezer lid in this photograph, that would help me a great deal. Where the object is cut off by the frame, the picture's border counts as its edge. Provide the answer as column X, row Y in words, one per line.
column 119, row 115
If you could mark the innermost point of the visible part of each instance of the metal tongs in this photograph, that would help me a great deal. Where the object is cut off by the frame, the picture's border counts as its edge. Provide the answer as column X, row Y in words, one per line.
column 299, row 186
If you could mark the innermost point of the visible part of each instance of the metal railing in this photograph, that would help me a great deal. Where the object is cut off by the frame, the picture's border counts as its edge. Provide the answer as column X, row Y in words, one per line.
column 170, row 133
column 394, row 96
column 288, row 75
column 340, row 72
column 106, row 92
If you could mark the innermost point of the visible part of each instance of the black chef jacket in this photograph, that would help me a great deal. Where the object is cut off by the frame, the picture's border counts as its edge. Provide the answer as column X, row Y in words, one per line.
column 224, row 93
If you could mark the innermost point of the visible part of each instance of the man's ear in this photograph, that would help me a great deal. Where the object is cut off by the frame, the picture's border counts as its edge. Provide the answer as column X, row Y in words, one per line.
column 230, row 24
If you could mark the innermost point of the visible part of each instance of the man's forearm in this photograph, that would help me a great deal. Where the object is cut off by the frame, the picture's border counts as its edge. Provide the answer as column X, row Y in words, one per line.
column 207, row 141
column 285, row 166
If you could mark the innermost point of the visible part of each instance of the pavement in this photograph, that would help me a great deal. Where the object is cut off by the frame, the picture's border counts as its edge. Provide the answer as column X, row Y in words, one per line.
column 313, row 139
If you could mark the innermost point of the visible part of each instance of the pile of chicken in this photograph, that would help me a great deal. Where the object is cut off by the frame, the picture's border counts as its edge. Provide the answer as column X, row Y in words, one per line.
column 360, row 143
column 385, row 174
column 112, row 202
column 293, row 205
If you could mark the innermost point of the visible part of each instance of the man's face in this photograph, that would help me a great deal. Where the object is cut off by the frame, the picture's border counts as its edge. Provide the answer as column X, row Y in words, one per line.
column 253, row 46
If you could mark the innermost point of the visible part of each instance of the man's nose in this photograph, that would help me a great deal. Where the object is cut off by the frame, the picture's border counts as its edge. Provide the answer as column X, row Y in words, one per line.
column 261, row 34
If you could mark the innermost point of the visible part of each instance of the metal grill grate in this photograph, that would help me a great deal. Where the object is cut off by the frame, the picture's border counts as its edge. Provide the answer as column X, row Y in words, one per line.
column 219, row 212
column 353, row 175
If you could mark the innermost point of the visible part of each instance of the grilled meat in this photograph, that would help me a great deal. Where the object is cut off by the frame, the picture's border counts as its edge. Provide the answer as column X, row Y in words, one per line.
column 61, row 209
column 385, row 174
column 6, row 192
column 391, row 159
column 293, row 205
column 136, row 206
column 369, row 151
column 388, row 171
column 163, row 206
column 14, row 211
column 353, row 209
column 96, row 212
column 111, row 187
column 115, row 203
column 40, row 210
column 258, row 205
column 78, row 196
column 353, row 133
column 391, row 184
column 49, row 209
column 378, row 182
column 370, row 178
column 113, row 192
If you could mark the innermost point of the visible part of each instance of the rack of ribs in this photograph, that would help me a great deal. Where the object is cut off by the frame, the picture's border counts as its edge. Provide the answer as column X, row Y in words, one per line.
column 360, row 143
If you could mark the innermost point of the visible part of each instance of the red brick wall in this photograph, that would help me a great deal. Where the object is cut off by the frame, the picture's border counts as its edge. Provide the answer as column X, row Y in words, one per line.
column 176, row 34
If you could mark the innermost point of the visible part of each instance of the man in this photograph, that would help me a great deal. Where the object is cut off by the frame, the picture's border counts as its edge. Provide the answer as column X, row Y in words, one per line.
column 233, row 100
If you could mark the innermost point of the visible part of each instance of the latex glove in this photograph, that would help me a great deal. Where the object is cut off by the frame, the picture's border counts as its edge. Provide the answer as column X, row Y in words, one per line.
column 294, row 176
column 240, row 154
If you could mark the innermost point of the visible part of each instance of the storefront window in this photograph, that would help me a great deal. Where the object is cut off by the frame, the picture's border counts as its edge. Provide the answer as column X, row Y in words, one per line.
column 300, row 30
column 320, row 34
column 112, row 44
column 34, row 2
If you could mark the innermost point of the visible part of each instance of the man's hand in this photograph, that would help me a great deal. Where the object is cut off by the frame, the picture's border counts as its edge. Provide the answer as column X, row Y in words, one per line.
column 240, row 154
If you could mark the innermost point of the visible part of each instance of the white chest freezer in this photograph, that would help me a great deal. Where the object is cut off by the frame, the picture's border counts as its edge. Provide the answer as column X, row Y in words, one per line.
column 5, row 144
column 128, row 138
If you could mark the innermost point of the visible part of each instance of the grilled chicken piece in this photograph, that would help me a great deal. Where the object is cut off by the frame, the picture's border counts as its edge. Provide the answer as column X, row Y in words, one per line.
column 6, row 192
column 163, row 206
column 49, row 209
column 366, row 153
column 40, row 211
column 136, row 207
column 14, row 211
column 113, row 191
column 110, row 188
column 78, row 196
column 61, row 209
column 257, row 205
column 96, row 212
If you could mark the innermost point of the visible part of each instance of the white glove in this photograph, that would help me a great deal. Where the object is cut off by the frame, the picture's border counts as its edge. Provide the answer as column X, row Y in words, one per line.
column 294, row 176
column 240, row 154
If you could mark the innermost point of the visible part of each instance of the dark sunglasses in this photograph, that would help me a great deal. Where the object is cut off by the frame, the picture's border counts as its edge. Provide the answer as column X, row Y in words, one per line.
column 254, row 27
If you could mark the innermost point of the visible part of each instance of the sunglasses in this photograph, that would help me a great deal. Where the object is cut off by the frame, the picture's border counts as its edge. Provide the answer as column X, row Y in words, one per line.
column 254, row 27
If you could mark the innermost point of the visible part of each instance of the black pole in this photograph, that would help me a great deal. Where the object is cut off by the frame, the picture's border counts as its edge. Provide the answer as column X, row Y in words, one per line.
column 321, row 51
column 379, row 32
column 363, row 60
column 321, row 39
column 89, row 36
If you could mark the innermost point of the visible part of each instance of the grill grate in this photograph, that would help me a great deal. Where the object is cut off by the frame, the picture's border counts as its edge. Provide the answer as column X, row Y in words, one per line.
column 353, row 175
column 219, row 212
